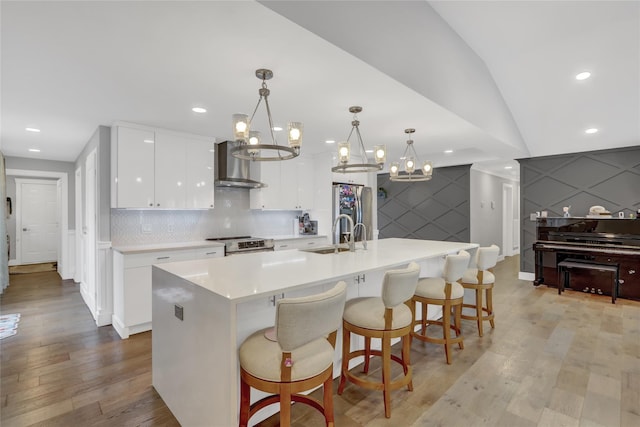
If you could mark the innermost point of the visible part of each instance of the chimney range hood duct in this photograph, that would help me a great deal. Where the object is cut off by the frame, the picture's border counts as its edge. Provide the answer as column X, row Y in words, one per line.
column 232, row 171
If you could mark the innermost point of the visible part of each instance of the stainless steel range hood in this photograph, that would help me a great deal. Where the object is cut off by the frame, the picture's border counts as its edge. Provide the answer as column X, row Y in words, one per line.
column 231, row 171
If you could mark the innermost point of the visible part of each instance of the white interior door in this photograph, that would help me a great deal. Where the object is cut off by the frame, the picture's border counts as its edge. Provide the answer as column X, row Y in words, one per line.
column 38, row 227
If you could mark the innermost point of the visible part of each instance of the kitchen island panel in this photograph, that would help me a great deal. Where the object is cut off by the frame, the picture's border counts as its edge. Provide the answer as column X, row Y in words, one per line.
column 233, row 296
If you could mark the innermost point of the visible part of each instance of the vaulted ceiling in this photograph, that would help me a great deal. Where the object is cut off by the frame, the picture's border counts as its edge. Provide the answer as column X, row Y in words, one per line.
column 492, row 81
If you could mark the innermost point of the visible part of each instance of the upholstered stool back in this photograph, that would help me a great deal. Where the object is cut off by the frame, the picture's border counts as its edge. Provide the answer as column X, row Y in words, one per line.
column 298, row 357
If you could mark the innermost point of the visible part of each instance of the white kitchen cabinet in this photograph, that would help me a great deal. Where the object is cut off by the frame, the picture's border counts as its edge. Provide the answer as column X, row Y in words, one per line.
column 132, row 167
column 299, row 243
column 157, row 168
column 132, row 284
column 170, row 171
column 290, row 184
column 200, row 177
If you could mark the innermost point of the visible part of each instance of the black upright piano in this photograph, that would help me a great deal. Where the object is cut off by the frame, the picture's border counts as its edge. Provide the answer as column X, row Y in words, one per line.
column 606, row 241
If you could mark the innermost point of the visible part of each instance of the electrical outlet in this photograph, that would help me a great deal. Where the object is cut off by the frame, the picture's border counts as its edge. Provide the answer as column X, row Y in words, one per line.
column 146, row 228
column 178, row 310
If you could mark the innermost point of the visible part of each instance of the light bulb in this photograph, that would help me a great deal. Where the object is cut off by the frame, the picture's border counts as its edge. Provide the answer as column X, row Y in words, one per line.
column 343, row 152
column 410, row 165
column 240, row 127
column 295, row 134
column 254, row 139
column 380, row 153
column 393, row 169
column 427, row 168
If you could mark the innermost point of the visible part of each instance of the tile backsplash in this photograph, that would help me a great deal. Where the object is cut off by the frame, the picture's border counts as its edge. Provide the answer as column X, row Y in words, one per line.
column 230, row 217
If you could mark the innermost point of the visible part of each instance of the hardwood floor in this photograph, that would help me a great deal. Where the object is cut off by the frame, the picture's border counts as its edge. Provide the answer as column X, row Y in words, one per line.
column 570, row 360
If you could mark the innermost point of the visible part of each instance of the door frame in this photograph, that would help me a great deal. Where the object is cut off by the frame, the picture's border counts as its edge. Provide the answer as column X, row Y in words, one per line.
column 19, row 181
column 63, row 255
column 507, row 220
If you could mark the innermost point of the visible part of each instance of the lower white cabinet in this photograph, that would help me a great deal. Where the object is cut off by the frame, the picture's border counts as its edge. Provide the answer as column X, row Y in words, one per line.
column 299, row 243
column 132, row 284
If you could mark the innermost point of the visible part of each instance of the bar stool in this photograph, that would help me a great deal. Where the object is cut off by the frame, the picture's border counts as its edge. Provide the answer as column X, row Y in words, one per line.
column 481, row 278
column 385, row 317
column 444, row 291
column 296, row 357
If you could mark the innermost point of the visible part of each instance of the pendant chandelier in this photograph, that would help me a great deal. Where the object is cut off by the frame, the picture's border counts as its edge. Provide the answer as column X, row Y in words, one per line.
column 251, row 146
column 410, row 174
column 344, row 151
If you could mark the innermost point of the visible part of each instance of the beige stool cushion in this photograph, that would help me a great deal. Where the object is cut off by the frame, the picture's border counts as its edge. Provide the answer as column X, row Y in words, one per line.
column 261, row 357
column 471, row 276
column 368, row 313
column 433, row 287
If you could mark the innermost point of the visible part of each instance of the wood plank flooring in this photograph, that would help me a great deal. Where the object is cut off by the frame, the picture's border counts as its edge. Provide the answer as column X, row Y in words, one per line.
column 570, row 360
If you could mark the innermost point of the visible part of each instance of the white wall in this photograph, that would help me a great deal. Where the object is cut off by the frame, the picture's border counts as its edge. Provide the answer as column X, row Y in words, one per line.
column 486, row 207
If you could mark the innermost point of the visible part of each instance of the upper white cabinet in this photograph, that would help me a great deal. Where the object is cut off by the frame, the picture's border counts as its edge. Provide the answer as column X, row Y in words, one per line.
column 290, row 184
column 155, row 168
column 132, row 185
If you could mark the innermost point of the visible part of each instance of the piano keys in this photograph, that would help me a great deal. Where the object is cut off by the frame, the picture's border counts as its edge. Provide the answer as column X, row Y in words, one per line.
column 607, row 241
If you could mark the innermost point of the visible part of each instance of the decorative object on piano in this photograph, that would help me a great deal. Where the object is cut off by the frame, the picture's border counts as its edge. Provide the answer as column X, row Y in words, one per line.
column 565, row 211
column 598, row 212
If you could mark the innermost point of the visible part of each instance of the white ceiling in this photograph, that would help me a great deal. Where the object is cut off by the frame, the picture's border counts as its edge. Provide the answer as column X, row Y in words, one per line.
column 494, row 82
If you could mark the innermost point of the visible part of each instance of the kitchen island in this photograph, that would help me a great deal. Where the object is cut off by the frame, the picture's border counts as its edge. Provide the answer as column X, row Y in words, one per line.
column 204, row 309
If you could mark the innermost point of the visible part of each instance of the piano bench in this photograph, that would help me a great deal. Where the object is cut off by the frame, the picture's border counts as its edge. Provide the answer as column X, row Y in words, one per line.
column 564, row 268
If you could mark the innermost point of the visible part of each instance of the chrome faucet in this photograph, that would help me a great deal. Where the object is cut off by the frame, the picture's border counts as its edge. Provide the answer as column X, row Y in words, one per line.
column 352, row 244
column 364, row 234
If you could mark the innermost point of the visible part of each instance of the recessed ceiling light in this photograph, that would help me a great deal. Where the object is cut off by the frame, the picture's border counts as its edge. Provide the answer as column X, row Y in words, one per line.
column 330, row 141
column 277, row 128
column 448, row 151
column 368, row 151
column 591, row 130
column 583, row 75
column 199, row 110
column 34, row 150
column 508, row 167
column 149, row 141
column 32, row 129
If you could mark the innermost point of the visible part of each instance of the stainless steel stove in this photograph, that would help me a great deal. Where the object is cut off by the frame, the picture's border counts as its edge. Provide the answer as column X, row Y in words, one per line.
column 244, row 244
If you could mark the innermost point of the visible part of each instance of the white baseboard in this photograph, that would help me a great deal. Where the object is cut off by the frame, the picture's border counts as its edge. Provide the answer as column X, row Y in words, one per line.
column 523, row 275
column 117, row 324
column 89, row 300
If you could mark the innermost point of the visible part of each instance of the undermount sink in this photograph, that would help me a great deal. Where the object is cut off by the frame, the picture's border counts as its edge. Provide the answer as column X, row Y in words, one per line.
column 327, row 249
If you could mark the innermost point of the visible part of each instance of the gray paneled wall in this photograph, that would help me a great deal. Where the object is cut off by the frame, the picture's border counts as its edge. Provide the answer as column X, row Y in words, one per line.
column 434, row 210
column 609, row 178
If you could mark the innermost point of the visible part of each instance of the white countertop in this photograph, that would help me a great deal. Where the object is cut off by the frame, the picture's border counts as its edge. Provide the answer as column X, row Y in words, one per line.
column 156, row 247
column 248, row 276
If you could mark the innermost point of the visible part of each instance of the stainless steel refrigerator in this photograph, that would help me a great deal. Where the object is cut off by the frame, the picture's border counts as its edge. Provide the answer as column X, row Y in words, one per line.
column 355, row 201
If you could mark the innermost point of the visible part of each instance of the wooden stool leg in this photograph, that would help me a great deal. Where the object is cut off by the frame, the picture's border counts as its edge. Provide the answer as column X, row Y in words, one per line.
column 386, row 373
column 285, row 405
column 479, row 310
column 346, row 348
column 367, row 354
column 245, row 402
column 490, row 305
column 406, row 358
column 446, row 330
column 328, row 401
column 424, row 319
column 458, row 322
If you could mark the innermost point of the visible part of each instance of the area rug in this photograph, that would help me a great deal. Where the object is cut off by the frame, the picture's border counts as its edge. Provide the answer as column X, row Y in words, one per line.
column 9, row 325
column 33, row 268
